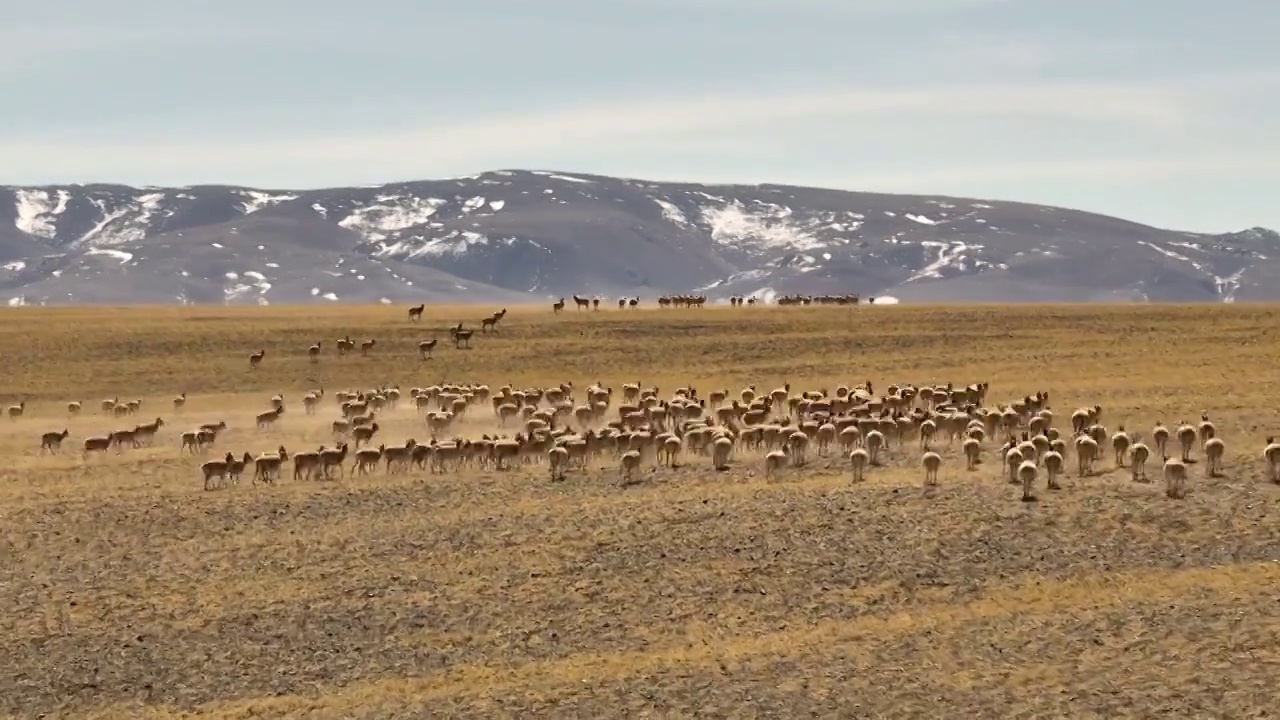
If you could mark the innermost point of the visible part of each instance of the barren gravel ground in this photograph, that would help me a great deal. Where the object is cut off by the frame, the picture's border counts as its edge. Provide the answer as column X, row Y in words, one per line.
column 128, row 591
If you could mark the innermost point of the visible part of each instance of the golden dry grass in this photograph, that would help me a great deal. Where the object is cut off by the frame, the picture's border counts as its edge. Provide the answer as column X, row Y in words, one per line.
column 129, row 592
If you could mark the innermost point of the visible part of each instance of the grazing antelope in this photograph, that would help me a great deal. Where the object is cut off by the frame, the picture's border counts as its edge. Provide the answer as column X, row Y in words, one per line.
column 256, row 358
column 52, row 441
column 73, row 408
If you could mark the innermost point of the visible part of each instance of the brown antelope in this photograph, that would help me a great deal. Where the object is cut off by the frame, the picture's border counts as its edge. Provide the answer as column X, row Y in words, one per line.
column 97, row 444
column 216, row 469
column 52, row 441
column 398, row 456
column 461, row 336
column 120, row 437
column 266, row 467
column 268, row 419
column 306, row 463
column 235, row 467
column 332, row 458
column 415, row 312
column 256, row 358
column 147, row 433
column 491, row 322
column 366, row 460
column 425, row 347
column 363, row 434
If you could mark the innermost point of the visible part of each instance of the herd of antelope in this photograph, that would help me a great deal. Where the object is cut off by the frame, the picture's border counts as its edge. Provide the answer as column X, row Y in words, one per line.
column 697, row 301
column 460, row 334
column 566, row 430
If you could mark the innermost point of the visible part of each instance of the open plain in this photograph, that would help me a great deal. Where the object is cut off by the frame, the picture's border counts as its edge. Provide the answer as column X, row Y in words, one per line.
column 128, row 590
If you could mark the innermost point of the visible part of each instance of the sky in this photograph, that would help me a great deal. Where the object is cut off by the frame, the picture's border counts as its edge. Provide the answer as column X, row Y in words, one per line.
column 1162, row 111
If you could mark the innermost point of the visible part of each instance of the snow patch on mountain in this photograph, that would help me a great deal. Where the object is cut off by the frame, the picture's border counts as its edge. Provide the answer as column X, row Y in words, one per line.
column 120, row 255
column 129, row 222
column 390, row 214
column 1175, row 255
column 920, row 219
column 240, row 285
column 949, row 254
column 1227, row 286
column 455, row 242
column 733, row 224
column 256, row 200
column 672, row 213
column 38, row 211
column 558, row 176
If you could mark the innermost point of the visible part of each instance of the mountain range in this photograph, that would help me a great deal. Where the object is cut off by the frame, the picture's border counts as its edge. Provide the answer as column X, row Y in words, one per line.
column 518, row 236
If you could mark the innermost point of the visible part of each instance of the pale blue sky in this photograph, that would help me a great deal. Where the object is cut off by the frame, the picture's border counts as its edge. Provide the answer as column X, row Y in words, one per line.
column 1162, row 111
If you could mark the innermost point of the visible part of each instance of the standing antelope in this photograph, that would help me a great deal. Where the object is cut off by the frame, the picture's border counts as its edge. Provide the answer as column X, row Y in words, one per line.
column 256, row 358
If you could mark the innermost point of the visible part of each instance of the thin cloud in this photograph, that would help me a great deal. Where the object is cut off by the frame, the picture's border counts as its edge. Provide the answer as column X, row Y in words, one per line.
column 24, row 42
column 635, row 122
column 1100, row 170
column 842, row 7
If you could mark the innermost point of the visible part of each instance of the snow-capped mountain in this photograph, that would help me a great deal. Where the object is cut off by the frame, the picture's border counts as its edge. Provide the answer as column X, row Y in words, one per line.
column 514, row 236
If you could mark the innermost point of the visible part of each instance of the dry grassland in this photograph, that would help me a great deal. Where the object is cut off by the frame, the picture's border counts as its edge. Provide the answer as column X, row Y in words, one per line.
column 127, row 591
